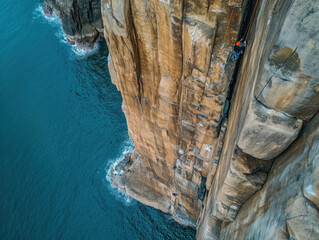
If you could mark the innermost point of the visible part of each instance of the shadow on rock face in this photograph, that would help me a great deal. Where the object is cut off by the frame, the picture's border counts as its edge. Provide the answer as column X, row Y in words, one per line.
column 81, row 20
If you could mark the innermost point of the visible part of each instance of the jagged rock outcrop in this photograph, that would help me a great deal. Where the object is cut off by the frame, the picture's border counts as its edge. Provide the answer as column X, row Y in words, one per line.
column 81, row 19
column 194, row 158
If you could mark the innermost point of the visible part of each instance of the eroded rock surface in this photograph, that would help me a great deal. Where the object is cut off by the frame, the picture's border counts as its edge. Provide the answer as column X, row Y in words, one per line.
column 267, row 132
column 81, row 19
column 286, row 204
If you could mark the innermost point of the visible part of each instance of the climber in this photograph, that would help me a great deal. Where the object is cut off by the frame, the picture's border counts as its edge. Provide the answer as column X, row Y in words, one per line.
column 238, row 49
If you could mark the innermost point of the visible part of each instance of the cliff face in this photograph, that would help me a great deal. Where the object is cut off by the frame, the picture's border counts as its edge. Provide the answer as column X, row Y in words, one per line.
column 169, row 60
column 276, row 92
column 81, row 19
column 202, row 150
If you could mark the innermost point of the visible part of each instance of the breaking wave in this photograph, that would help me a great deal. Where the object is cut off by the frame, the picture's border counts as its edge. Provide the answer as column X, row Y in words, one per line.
column 55, row 22
column 126, row 148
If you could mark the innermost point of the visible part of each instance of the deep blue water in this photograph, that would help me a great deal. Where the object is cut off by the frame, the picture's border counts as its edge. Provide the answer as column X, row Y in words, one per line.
column 61, row 125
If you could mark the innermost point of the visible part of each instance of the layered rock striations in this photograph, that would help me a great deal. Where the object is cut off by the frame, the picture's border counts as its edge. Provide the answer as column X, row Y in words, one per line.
column 169, row 60
column 230, row 149
column 81, row 19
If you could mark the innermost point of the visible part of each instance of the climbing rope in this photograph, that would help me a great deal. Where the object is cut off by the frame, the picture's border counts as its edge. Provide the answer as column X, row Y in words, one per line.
column 231, row 16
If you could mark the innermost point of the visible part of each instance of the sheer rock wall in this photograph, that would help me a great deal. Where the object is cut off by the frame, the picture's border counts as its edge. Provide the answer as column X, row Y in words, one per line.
column 169, row 60
column 266, row 114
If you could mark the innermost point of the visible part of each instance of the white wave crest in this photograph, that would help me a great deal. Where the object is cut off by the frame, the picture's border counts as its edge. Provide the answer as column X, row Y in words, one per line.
column 119, row 194
column 39, row 15
column 85, row 52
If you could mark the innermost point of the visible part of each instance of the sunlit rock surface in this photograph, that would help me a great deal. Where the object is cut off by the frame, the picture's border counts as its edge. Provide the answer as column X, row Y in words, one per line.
column 169, row 60
column 261, row 129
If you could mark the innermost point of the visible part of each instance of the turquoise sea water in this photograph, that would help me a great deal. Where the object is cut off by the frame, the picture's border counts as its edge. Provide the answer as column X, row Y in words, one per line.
column 61, row 126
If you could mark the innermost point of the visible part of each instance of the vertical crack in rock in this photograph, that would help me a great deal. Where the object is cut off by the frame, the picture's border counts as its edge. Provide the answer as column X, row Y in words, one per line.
column 136, row 59
column 261, row 129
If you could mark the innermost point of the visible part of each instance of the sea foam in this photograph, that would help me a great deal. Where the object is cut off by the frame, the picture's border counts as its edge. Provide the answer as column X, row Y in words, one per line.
column 126, row 148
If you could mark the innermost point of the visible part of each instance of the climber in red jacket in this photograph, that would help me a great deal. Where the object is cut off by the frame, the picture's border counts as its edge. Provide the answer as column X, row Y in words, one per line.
column 238, row 49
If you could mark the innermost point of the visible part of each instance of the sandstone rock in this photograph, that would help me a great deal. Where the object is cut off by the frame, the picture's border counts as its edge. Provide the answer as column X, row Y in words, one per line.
column 261, row 131
column 281, row 204
column 266, row 132
column 295, row 94
column 208, row 234
column 115, row 16
column 112, row 71
column 290, row 80
column 169, row 60
column 297, row 206
column 242, row 180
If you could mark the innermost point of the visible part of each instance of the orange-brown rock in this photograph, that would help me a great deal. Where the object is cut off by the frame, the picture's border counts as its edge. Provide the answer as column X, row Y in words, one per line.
column 169, row 60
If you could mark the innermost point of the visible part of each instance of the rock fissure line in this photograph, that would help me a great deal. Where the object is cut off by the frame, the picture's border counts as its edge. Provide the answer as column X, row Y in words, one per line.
column 279, row 68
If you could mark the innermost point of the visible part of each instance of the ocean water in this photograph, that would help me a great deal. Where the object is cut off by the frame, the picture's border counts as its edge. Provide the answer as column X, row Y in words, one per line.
column 61, row 127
